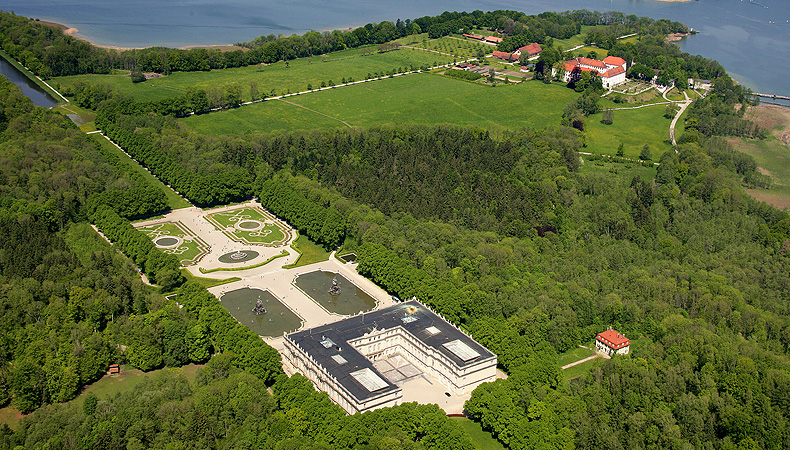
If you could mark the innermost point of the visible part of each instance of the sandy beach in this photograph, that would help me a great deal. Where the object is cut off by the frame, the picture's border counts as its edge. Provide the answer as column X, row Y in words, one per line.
column 74, row 32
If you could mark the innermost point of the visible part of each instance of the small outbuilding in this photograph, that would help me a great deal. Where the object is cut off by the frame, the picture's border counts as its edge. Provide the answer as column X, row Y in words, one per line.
column 611, row 343
column 114, row 368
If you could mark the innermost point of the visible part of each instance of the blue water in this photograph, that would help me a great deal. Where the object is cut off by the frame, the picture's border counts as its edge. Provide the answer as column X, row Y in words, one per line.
column 750, row 38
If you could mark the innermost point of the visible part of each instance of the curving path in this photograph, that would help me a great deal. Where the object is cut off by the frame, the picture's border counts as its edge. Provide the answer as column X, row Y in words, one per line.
column 675, row 120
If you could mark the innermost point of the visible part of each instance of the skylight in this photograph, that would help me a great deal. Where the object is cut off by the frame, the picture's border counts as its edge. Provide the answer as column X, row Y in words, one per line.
column 461, row 350
column 369, row 380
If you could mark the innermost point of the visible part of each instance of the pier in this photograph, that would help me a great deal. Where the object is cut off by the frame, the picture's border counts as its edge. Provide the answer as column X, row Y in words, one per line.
column 774, row 96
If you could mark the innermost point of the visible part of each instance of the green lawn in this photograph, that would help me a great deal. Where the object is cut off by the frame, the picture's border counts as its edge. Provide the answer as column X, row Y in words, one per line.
column 634, row 128
column 481, row 438
column 309, row 252
column 580, row 369
column 250, row 226
column 174, row 201
column 419, row 98
column 187, row 246
column 575, row 354
column 273, row 79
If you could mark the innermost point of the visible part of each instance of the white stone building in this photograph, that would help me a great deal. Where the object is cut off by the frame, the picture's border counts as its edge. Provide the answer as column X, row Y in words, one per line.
column 611, row 70
column 343, row 358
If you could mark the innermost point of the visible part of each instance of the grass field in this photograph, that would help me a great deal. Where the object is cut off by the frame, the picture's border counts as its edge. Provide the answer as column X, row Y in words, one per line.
column 575, row 354
column 108, row 386
column 580, row 369
column 187, row 246
column 481, row 438
column 250, row 226
column 419, row 98
column 273, row 79
column 174, row 201
column 309, row 252
column 773, row 159
column 634, row 128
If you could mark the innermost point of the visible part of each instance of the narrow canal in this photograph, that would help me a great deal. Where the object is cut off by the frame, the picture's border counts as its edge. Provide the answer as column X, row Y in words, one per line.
column 28, row 87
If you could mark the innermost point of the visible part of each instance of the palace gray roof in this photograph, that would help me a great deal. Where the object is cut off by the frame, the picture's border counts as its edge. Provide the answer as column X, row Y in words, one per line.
column 357, row 374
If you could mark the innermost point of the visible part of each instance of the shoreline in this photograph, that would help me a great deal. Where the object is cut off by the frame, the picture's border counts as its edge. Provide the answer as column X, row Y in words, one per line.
column 74, row 32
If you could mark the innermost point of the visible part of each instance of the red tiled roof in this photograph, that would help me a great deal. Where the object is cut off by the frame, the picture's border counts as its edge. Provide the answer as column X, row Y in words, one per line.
column 570, row 65
column 613, row 339
column 613, row 71
column 614, row 61
column 473, row 36
column 531, row 49
column 503, row 55
column 591, row 62
column 493, row 39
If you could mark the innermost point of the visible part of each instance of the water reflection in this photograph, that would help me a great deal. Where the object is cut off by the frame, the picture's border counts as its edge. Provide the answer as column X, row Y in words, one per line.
column 28, row 87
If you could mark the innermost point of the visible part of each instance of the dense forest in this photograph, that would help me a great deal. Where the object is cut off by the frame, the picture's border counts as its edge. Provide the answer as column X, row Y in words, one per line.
column 504, row 233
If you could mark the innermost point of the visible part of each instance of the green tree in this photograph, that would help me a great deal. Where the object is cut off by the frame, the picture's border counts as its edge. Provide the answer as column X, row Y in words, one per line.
column 644, row 155
column 198, row 343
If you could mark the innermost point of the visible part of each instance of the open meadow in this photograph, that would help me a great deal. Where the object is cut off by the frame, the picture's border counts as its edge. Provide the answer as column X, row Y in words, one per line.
column 771, row 154
column 633, row 128
column 419, row 98
column 273, row 79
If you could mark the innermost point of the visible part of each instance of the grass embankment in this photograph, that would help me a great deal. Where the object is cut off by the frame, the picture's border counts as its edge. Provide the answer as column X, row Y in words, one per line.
column 107, row 387
column 633, row 128
column 174, row 201
column 309, row 252
column 419, row 98
column 481, row 438
column 207, row 282
column 30, row 75
column 272, row 79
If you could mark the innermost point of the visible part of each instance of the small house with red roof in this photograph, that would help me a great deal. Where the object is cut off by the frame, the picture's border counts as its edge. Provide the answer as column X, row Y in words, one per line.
column 493, row 39
column 611, row 70
column 612, row 343
column 114, row 368
column 530, row 50
column 474, row 36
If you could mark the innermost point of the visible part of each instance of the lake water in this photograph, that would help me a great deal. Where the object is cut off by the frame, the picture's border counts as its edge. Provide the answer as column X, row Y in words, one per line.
column 751, row 38
column 28, row 87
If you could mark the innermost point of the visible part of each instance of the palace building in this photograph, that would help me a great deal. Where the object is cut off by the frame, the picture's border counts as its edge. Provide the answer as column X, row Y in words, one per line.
column 362, row 362
column 611, row 70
